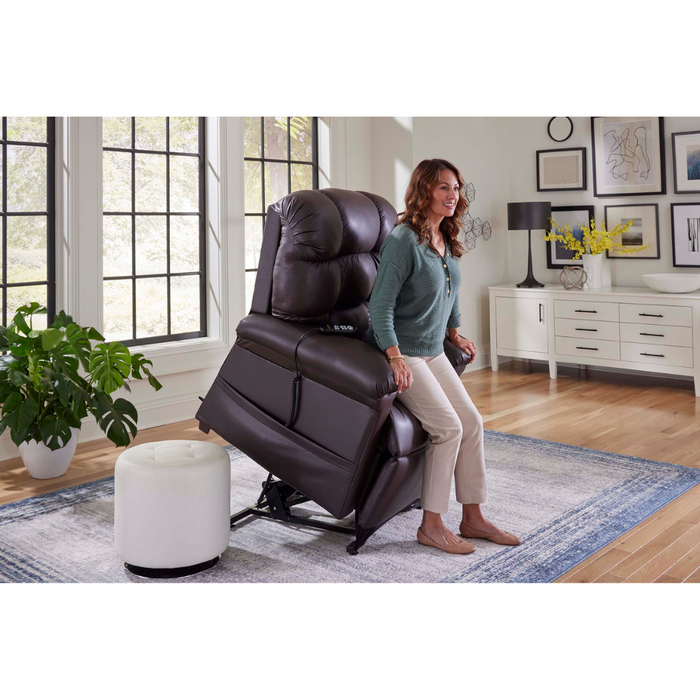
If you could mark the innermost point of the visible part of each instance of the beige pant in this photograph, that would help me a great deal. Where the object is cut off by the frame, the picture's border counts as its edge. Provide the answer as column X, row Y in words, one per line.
column 439, row 400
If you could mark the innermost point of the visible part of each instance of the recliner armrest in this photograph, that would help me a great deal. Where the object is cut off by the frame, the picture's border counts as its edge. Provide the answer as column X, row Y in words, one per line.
column 346, row 365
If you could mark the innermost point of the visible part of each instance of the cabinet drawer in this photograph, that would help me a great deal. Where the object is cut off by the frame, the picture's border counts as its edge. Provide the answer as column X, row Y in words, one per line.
column 654, row 335
column 598, row 310
column 591, row 347
column 656, row 314
column 657, row 354
column 587, row 328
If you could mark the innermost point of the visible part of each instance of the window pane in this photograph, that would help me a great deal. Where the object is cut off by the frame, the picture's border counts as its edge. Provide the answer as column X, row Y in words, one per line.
column 276, row 182
column 150, row 182
column 117, row 310
column 249, row 288
column 184, row 304
column 301, row 136
column 150, row 133
column 151, row 307
column 184, row 244
column 26, row 129
column 253, row 240
column 116, row 181
column 26, row 248
column 26, row 178
column 276, row 137
column 184, row 184
column 151, row 246
column 251, row 137
column 19, row 296
column 184, row 134
column 116, row 132
column 253, row 187
column 116, row 245
column 302, row 177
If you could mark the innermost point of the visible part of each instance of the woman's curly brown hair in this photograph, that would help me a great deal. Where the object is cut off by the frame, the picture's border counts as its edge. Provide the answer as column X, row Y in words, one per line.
column 424, row 178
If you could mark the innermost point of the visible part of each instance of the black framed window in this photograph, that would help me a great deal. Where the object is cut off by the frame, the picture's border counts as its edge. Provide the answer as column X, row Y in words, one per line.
column 27, row 213
column 154, row 257
column 281, row 156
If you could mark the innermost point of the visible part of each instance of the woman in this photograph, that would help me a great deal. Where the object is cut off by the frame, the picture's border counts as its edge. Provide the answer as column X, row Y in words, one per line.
column 413, row 303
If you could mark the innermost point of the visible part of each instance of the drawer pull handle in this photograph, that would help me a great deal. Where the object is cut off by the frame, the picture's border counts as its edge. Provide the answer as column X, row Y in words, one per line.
column 541, row 309
column 585, row 311
column 651, row 354
column 654, row 315
column 581, row 347
column 595, row 330
column 656, row 335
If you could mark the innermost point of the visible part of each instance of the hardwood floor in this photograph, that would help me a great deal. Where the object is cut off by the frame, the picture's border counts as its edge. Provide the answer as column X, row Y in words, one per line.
column 634, row 415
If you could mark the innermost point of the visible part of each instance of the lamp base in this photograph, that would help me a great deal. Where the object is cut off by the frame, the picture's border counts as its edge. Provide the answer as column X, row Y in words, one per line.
column 530, row 281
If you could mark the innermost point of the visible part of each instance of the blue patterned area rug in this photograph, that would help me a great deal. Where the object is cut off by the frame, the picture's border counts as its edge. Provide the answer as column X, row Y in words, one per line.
column 564, row 502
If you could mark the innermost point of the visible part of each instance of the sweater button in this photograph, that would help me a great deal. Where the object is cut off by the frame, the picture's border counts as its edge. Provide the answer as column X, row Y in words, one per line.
column 444, row 265
column 448, row 279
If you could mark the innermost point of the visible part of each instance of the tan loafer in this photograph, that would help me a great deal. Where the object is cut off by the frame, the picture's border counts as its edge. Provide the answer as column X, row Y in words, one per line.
column 502, row 538
column 461, row 548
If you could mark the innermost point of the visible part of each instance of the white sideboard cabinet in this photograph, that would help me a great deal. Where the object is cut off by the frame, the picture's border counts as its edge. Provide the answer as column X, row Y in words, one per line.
column 632, row 328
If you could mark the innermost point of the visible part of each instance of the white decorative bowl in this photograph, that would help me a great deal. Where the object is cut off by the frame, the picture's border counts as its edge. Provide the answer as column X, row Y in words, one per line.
column 672, row 282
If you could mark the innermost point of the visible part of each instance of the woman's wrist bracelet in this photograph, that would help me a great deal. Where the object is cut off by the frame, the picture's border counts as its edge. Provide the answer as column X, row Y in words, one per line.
column 395, row 357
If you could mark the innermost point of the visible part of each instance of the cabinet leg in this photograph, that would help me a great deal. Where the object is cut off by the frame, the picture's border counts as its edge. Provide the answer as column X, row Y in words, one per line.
column 494, row 362
column 552, row 369
column 697, row 386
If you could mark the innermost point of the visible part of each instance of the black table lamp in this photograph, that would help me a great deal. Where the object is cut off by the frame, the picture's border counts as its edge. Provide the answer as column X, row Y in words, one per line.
column 530, row 216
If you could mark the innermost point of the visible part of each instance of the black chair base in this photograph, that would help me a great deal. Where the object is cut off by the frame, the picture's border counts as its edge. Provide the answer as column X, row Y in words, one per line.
column 277, row 498
column 179, row 572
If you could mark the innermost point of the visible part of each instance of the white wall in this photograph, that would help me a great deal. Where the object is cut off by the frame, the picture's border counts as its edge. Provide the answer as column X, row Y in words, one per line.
column 479, row 148
column 498, row 156
column 528, row 135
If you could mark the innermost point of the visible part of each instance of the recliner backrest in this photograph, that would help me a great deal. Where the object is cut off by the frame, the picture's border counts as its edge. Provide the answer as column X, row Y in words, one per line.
column 319, row 256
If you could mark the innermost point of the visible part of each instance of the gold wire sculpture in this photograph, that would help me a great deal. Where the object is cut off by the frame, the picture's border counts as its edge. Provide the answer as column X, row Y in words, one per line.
column 573, row 277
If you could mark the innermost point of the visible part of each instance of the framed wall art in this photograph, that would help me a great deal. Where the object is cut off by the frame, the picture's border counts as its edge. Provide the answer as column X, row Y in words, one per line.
column 685, row 221
column 686, row 162
column 644, row 231
column 559, row 257
column 561, row 169
column 628, row 156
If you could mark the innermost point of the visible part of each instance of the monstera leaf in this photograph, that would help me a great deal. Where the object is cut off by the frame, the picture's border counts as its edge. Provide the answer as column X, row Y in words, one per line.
column 116, row 419
column 18, row 412
column 110, row 364
column 55, row 432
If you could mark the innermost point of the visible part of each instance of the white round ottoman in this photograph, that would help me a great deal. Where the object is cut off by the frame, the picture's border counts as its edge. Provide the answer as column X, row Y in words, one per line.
column 172, row 507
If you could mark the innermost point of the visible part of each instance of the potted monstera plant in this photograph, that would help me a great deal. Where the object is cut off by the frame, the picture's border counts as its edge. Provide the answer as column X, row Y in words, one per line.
column 52, row 378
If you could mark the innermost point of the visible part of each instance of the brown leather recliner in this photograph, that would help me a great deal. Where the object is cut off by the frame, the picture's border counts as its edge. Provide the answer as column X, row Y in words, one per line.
column 350, row 446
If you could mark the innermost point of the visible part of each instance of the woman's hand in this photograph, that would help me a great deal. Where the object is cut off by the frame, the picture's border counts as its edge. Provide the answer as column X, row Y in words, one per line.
column 465, row 345
column 402, row 375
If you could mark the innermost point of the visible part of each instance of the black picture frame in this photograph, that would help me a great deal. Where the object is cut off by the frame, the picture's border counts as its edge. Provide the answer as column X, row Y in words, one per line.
column 675, row 228
column 674, row 148
column 553, row 246
column 630, row 158
column 658, row 238
column 584, row 167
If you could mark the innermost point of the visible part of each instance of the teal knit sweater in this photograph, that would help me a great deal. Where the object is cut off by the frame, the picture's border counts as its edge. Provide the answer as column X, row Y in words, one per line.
column 415, row 296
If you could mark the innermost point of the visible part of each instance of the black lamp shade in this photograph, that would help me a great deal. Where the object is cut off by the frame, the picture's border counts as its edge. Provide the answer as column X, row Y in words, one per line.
column 529, row 216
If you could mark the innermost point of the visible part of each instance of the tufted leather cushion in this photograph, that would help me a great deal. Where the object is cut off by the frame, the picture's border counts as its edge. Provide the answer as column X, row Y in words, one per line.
column 328, row 255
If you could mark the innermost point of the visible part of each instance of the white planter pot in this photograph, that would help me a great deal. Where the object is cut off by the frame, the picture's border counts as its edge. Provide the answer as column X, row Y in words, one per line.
column 597, row 271
column 42, row 463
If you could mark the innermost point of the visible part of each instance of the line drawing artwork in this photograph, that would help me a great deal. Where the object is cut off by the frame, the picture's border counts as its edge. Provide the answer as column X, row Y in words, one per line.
column 628, row 159
column 693, row 235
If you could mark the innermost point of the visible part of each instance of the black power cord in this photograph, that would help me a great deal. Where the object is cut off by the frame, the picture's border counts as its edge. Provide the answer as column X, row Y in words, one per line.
column 335, row 330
